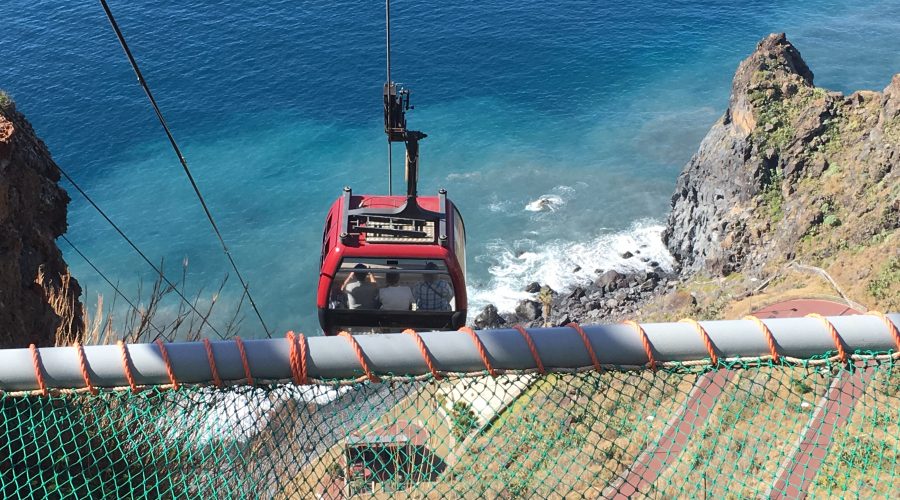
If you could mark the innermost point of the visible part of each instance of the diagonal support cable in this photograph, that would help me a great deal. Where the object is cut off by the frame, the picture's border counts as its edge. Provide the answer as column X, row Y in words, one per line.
column 109, row 282
column 184, row 165
column 136, row 249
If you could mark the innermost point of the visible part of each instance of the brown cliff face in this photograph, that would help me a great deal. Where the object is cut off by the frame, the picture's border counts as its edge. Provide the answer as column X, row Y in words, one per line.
column 789, row 171
column 34, row 281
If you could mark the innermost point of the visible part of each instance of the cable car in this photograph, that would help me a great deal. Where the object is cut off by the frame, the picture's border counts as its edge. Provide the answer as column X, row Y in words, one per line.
column 393, row 262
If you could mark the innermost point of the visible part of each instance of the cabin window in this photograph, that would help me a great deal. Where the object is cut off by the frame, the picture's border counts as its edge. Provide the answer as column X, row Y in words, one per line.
column 393, row 284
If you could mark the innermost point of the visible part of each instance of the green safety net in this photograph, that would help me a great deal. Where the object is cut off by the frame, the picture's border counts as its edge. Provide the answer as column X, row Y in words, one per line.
column 743, row 429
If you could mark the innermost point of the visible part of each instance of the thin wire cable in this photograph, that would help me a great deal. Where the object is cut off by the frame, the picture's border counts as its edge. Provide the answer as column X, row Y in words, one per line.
column 184, row 165
column 136, row 249
column 387, row 22
column 114, row 287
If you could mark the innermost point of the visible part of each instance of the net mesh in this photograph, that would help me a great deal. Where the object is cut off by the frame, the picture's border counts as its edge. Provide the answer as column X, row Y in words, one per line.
column 745, row 429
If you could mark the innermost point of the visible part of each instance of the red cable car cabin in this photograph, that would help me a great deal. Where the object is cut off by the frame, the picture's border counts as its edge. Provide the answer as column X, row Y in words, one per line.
column 392, row 262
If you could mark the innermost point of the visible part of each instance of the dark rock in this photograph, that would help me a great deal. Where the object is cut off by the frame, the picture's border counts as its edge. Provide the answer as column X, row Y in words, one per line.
column 626, row 255
column 576, row 269
column 488, row 318
column 529, row 310
column 533, row 287
column 609, row 280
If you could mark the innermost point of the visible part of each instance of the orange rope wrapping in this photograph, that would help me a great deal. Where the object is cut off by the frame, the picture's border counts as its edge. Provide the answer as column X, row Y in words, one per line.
column 169, row 371
column 710, row 348
column 82, row 364
column 892, row 328
column 587, row 345
column 210, row 357
column 298, row 358
column 645, row 341
column 38, row 369
column 842, row 353
column 126, row 365
column 426, row 355
column 532, row 348
column 360, row 355
column 482, row 352
column 770, row 339
column 244, row 361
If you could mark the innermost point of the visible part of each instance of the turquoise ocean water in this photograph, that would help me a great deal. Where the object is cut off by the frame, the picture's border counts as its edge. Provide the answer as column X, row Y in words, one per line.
column 277, row 105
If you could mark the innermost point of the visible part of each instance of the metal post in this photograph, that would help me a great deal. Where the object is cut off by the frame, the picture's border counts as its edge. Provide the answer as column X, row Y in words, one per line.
column 333, row 357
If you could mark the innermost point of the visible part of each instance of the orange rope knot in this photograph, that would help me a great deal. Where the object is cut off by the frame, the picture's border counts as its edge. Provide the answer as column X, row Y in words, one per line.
column 770, row 339
column 532, row 348
column 482, row 352
column 645, row 341
column 892, row 328
column 707, row 341
column 210, row 357
column 587, row 345
column 38, row 369
column 126, row 365
column 82, row 364
column 165, row 357
column 842, row 353
column 240, row 345
column 298, row 358
column 426, row 354
column 360, row 355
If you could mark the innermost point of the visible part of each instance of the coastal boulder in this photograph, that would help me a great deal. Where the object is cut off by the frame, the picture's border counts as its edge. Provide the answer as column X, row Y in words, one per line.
column 610, row 280
column 528, row 310
column 488, row 318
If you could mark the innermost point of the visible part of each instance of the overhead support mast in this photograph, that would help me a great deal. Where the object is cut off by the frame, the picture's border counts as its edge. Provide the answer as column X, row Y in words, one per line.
column 396, row 103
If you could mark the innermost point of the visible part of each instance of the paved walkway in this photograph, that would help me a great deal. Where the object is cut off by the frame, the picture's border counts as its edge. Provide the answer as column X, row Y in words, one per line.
column 798, row 308
column 800, row 466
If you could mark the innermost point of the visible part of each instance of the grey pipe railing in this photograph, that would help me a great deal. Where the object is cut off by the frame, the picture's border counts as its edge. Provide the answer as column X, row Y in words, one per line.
column 333, row 357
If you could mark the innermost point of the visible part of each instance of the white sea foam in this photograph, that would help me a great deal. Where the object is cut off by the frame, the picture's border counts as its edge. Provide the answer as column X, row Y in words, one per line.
column 513, row 266
column 545, row 202
column 463, row 176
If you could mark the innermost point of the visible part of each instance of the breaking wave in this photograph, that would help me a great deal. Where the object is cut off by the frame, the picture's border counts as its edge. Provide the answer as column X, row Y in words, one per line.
column 563, row 264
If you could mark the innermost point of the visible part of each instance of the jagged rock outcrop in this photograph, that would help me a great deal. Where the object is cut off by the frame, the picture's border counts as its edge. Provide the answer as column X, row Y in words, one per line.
column 34, row 281
column 788, row 161
column 789, row 172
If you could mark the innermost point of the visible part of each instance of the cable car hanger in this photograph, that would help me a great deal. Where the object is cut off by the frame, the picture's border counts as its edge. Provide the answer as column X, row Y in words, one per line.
column 375, row 246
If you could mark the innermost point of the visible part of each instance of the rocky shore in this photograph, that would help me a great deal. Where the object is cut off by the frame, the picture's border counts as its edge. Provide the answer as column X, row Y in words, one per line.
column 791, row 173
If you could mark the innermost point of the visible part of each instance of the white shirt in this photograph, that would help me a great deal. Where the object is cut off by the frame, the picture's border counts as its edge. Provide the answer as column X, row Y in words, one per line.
column 397, row 298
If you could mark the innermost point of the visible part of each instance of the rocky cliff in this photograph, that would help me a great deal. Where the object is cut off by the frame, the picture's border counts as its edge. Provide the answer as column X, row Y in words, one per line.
column 787, row 162
column 791, row 178
column 37, row 295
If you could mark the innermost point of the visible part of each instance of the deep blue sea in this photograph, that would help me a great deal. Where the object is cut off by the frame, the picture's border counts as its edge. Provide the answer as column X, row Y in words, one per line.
column 595, row 105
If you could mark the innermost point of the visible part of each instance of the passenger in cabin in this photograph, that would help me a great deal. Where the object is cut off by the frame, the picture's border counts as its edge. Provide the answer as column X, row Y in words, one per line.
column 394, row 296
column 432, row 294
column 361, row 290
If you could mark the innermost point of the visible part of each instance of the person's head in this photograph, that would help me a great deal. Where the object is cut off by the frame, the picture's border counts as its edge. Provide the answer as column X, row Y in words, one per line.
column 392, row 278
column 431, row 266
column 360, row 274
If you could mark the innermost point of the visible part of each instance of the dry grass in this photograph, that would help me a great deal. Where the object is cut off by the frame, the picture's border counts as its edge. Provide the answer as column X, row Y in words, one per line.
column 145, row 322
